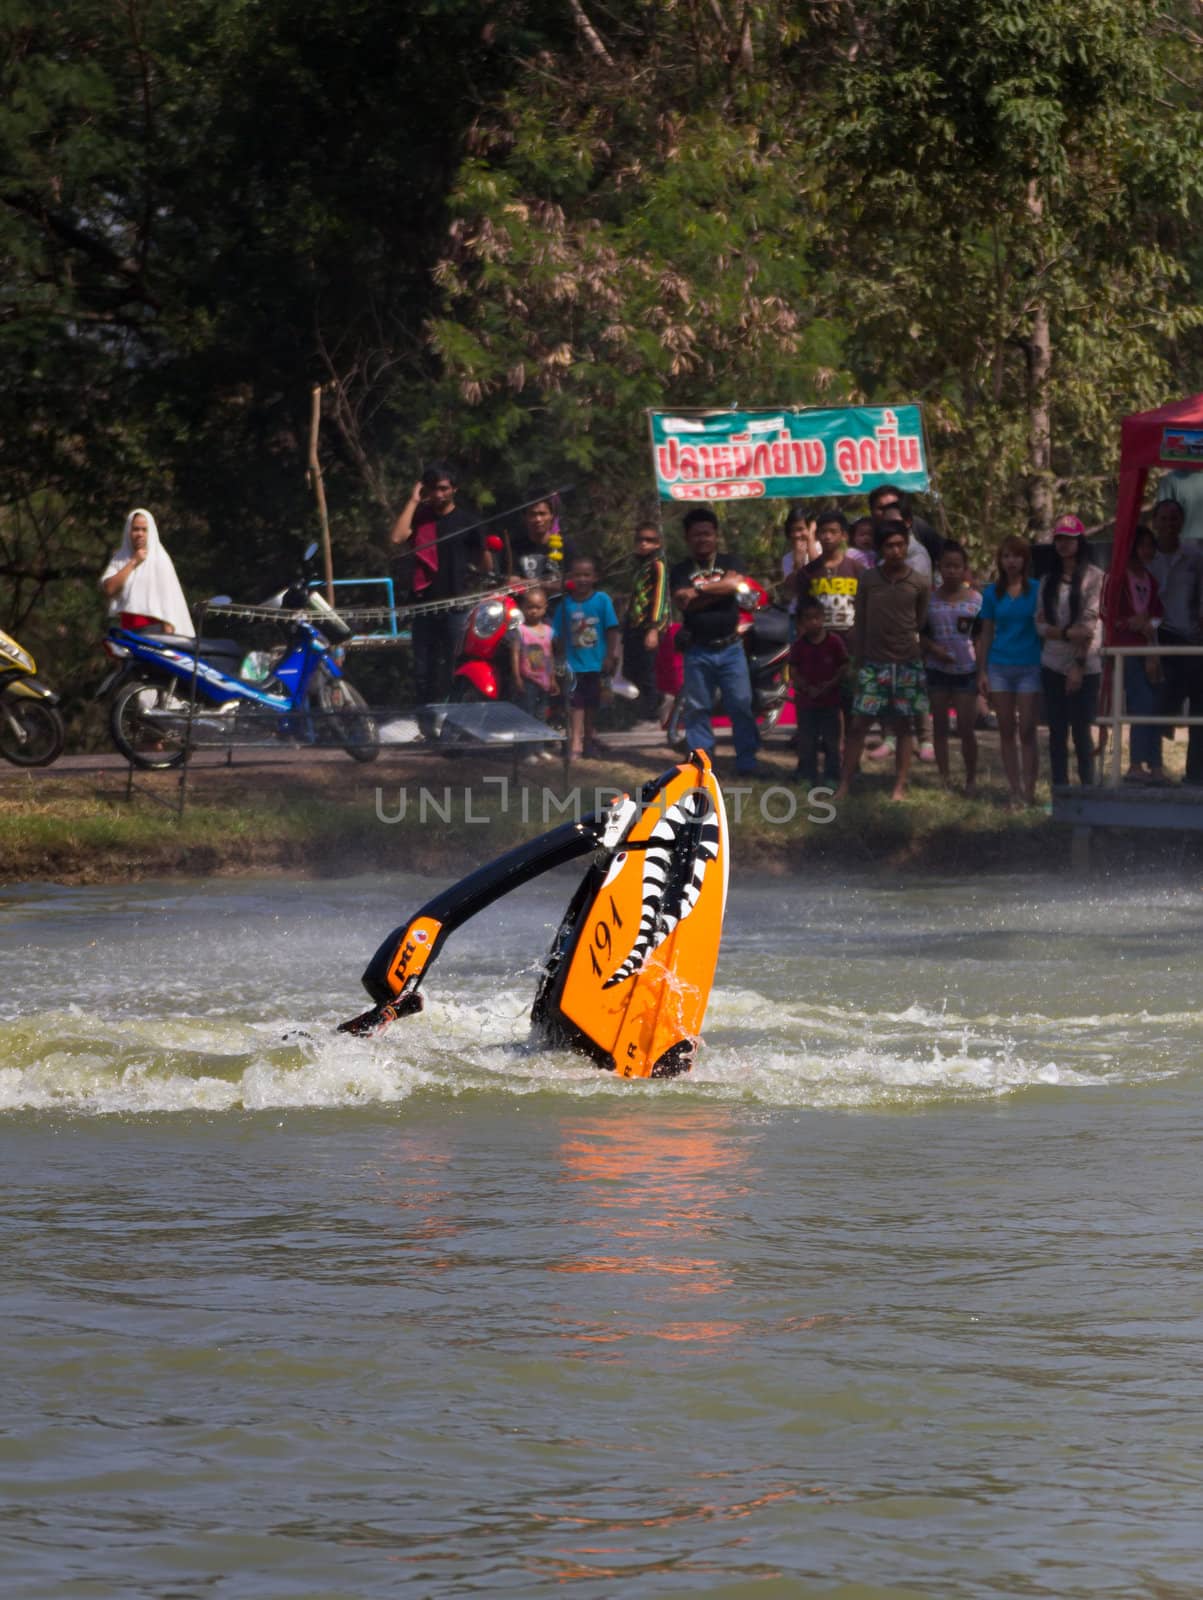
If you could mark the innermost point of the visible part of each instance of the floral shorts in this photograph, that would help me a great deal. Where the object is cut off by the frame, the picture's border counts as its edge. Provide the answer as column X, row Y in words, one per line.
column 887, row 689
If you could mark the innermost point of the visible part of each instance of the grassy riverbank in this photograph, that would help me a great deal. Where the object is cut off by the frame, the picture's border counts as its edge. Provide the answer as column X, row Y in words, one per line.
column 406, row 814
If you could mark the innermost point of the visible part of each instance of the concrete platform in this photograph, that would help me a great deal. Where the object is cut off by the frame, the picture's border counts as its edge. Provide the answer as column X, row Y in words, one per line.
column 1173, row 808
column 1132, row 805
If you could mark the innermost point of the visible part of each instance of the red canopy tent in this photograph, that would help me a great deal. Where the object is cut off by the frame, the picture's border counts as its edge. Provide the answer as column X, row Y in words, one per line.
column 1149, row 439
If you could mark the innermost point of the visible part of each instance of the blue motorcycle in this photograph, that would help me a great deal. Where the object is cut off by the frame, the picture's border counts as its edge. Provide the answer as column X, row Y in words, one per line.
column 171, row 692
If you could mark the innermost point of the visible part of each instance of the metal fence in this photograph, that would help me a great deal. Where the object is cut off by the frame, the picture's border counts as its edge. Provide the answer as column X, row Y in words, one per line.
column 1118, row 718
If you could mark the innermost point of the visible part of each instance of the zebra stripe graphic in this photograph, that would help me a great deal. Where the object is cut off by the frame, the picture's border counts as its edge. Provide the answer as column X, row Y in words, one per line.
column 692, row 818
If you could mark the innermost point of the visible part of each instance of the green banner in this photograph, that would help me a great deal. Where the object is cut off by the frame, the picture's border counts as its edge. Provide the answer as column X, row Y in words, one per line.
column 787, row 455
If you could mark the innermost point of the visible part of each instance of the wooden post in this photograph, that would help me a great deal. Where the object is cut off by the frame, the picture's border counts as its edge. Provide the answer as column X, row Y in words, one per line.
column 319, row 488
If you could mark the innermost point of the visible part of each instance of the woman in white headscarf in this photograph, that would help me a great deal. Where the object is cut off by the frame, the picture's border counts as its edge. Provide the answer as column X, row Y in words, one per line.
column 140, row 582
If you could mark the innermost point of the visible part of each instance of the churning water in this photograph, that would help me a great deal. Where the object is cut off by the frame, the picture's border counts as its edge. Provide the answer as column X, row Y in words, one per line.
column 898, row 1294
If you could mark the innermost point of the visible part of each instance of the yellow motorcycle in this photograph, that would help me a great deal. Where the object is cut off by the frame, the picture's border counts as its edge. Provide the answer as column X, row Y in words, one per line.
column 31, row 729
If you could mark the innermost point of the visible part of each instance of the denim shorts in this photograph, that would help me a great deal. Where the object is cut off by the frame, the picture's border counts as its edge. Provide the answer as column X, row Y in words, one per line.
column 1014, row 680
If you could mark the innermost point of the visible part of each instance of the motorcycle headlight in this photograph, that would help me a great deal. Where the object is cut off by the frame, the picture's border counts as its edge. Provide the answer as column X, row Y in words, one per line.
column 487, row 618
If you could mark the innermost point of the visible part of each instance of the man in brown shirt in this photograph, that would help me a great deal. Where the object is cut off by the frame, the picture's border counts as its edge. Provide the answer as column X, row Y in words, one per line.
column 891, row 610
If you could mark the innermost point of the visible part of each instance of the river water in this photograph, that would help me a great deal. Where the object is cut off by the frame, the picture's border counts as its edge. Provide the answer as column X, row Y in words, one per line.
column 901, row 1294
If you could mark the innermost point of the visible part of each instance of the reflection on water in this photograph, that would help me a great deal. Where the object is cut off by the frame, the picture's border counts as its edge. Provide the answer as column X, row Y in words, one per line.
column 659, row 1187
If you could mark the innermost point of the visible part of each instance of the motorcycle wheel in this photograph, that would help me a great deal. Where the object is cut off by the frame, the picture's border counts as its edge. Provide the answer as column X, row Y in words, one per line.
column 348, row 719
column 140, row 740
column 465, row 693
column 31, row 732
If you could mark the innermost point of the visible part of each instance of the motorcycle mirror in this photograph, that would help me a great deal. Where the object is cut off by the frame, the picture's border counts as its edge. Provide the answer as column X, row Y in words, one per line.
column 495, row 543
column 310, row 550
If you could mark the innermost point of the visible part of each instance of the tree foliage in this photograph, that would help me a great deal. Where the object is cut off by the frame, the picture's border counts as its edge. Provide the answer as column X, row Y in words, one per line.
column 498, row 232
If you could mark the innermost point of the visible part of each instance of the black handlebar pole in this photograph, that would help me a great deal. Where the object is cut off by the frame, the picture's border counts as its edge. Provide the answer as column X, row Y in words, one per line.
column 427, row 930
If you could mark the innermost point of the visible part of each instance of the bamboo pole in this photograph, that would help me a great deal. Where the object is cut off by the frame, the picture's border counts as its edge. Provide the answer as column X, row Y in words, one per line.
column 319, row 488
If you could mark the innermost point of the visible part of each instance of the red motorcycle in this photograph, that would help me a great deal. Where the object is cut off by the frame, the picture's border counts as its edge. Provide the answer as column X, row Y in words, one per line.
column 482, row 672
column 764, row 629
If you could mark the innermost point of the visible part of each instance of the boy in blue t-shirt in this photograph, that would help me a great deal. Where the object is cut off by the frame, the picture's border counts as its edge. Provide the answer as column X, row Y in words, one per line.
column 586, row 640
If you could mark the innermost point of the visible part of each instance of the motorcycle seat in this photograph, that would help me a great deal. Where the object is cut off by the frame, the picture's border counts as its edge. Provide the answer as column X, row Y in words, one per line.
column 208, row 647
column 225, row 654
column 770, row 629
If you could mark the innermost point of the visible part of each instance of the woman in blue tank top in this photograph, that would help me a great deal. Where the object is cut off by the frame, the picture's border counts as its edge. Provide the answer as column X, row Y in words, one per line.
column 1008, row 655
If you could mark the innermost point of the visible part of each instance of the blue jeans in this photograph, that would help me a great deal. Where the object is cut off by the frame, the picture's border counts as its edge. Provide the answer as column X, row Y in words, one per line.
column 1142, row 699
column 724, row 671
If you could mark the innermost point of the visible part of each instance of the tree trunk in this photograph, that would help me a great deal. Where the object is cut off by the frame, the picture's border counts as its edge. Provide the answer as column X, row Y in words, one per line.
column 319, row 488
column 1039, row 479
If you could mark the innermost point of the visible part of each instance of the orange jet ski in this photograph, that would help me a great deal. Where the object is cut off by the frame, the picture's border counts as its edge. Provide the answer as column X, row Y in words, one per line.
column 630, row 968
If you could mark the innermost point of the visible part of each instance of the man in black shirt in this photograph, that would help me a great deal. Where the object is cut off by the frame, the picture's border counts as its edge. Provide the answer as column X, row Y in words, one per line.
column 704, row 591
column 533, row 556
column 443, row 552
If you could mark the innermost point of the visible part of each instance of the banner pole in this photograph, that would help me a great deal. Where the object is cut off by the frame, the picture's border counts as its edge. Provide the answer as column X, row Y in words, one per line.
column 932, row 486
column 651, row 455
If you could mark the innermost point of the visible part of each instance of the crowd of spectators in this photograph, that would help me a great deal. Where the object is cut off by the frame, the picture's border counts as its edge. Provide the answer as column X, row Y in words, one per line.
column 899, row 645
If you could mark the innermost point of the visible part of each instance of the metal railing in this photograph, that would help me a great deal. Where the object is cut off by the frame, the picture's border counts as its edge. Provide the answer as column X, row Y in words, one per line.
column 1117, row 719
column 386, row 616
